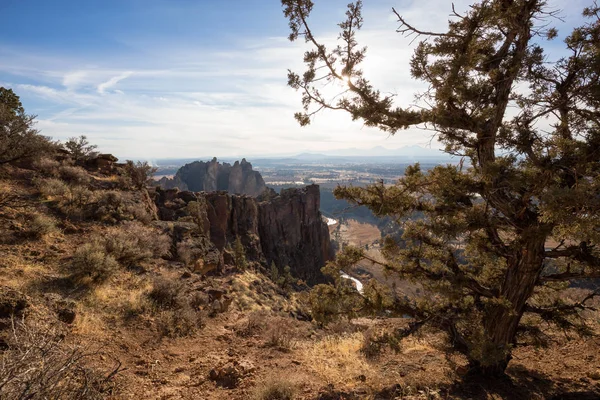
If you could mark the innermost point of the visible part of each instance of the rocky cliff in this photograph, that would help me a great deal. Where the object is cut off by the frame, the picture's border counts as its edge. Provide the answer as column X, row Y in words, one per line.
column 212, row 176
column 285, row 229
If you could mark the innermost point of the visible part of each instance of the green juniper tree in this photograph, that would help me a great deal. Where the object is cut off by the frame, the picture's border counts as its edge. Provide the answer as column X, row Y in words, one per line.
column 520, row 218
column 80, row 148
column 18, row 138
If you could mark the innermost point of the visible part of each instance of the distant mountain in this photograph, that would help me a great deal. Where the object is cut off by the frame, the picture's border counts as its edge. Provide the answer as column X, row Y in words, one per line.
column 212, row 176
column 380, row 151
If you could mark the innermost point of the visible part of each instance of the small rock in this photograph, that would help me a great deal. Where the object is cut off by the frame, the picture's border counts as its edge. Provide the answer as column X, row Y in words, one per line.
column 595, row 375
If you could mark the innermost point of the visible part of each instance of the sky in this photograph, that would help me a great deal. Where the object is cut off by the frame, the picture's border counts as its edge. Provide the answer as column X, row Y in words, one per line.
column 151, row 79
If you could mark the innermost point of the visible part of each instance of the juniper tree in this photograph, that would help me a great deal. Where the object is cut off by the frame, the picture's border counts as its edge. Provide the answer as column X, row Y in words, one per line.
column 80, row 148
column 519, row 214
column 18, row 137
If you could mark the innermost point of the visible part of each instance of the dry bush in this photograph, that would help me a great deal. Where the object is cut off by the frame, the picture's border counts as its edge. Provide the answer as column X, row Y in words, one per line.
column 137, row 175
column 133, row 243
column 371, row 347
column 181, row 322
column 74, row 175
column 39, row 365
column 280, row 335
column 92, row 262
column 342, row 327
column 46, row 166
column 114, row 206
column 166, row 293
column 198, row 299
column 72, row 201
column 252, row 324
column 52, row 188
column 40, row 225
column 276, row 389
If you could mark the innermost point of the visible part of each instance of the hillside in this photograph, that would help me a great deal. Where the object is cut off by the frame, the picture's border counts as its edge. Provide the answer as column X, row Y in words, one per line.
column 91, row 273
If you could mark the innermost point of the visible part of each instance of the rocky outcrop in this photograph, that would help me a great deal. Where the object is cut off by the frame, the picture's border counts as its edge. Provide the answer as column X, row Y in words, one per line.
column 213, row 176
column 285, row 229
column 293, row 233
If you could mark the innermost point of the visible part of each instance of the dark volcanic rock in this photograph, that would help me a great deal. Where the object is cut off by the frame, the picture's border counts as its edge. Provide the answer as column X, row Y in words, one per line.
column 293, row 233
column 212, row 176
column 285, row 229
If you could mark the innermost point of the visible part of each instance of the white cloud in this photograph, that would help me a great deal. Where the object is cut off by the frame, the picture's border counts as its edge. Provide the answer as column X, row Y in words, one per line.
column 113, row 81
column 183, row 101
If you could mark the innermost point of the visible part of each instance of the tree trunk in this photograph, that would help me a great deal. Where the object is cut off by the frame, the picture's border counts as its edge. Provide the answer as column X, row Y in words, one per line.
column 501, row 321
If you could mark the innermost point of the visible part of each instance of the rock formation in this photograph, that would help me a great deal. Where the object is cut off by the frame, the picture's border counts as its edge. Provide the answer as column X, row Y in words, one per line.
column 286, row 229
column 213, row 176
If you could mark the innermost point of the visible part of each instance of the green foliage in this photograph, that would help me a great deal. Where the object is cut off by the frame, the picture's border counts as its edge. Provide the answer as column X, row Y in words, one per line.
column 80, row 148
column 11, row 102
column 19, row 139
column 479, row 246
column 197, row 210
column 138, row 174
column 282, row 279
column 239, row 254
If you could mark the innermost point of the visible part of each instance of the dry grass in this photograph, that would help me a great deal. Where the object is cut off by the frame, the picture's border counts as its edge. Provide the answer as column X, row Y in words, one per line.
column 126, row 296
column 276, row 389
column 337, row 360
column 89, row 324
column 249, row 299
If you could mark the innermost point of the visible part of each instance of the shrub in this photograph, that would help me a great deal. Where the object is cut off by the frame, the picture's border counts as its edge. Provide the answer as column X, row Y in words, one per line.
column 275, row 389
column 52, row 188
column 132, row 243
column 181, row 322
column 239, row 254
column 91, row 261
column 38, row 365
column 19, row 140
column 70, row 200
column 114, row 206
column 371, row 346
column 75, row 204
column 47, row 166
column 72, row 174
column 137, row 174
column 40, row 225
column 252, row 324
column 280, row 335
column 165, row 293
column 80, row 148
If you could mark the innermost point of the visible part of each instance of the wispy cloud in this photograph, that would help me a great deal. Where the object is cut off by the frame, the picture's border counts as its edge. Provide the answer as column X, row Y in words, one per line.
column 175, row 99
column 113, row 81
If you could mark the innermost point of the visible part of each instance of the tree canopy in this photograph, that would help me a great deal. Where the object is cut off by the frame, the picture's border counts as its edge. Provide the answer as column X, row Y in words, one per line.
column 18, row 138
column 518, row 216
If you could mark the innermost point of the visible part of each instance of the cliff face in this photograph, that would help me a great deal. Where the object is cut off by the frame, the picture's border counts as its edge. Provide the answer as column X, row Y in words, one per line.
column 212, row 176
column 287, row 229
column 293, row 233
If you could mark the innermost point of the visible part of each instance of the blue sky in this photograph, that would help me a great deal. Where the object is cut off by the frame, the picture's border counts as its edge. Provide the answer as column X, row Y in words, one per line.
column 151, row 79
